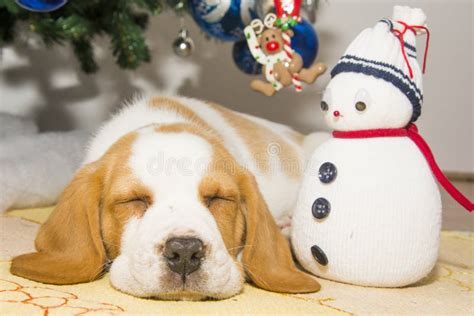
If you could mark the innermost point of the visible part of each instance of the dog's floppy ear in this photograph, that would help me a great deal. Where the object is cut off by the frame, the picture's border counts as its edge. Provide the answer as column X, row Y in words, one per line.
column 69, row 244
column 267, row 257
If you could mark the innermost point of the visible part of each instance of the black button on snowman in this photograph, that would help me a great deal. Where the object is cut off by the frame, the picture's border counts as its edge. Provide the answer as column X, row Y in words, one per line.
column 327, row 172
column 319, row 255
column 321, row 207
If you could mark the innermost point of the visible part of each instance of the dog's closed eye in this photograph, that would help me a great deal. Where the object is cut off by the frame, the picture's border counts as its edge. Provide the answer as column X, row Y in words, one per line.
column 212, row 200
column 137, row 205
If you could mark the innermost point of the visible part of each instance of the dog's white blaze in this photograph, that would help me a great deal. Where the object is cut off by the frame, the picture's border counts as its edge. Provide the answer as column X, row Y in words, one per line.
column 134, row 115
column 172, row 172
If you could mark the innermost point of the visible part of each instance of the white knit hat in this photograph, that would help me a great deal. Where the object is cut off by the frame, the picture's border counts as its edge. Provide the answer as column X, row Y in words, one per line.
column 388, row 51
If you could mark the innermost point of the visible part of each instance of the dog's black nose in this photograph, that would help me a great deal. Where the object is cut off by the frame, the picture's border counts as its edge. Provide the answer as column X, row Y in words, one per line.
column 183, row 255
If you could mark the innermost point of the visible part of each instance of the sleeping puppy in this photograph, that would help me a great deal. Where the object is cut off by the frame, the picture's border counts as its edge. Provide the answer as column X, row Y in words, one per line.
column 174, row 197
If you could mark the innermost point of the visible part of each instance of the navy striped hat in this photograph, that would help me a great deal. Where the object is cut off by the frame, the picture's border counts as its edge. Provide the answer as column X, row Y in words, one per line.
column 378, row 52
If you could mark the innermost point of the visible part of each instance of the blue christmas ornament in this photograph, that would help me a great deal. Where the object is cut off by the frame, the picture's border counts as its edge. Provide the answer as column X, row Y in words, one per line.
column 41, row 5
column 305, row 42
column 223, row 19
column 244, row 59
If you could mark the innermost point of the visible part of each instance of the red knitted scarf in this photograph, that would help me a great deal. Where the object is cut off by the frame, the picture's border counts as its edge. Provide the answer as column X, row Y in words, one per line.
column 411, row 131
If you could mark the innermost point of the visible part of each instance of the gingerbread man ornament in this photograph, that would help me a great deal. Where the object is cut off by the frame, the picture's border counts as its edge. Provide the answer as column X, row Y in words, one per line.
column 282, row 66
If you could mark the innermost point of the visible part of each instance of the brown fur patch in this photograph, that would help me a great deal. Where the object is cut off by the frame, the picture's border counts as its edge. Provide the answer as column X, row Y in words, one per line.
column 174, row 106
column 267, row 256
column 219, row 193
column 125, row 196
column 69, row 245
column 263, row 142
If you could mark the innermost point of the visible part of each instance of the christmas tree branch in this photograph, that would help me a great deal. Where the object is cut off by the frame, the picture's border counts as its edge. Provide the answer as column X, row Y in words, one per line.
column 79, row 22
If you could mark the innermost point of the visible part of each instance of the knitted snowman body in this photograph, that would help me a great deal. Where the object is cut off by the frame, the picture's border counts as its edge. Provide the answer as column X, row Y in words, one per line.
column 369, row 211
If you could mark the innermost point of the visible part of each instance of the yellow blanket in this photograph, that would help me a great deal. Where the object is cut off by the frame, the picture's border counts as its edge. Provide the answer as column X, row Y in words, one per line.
column 448, row 290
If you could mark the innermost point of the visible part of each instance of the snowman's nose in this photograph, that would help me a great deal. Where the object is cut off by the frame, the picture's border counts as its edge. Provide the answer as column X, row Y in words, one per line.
column 337, row 113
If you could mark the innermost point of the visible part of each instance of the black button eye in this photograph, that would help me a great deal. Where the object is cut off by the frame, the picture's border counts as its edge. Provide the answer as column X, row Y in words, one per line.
column 267, row 38
column 273, row 36
column 324, row 106
column 360, row 106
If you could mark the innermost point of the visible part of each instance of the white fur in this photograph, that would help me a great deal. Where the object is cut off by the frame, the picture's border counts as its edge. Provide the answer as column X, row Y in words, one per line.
column 135, row 114
column 171, row 165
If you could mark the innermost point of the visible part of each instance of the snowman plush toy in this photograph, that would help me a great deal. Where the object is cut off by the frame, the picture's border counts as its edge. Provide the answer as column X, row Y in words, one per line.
column 369, row 210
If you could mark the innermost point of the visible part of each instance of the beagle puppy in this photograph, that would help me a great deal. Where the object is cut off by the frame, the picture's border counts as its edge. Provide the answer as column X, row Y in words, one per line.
column 178, row 199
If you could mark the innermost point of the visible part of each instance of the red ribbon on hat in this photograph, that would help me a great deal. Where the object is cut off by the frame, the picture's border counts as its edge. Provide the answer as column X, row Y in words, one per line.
column 400, row 35
column 411, row 131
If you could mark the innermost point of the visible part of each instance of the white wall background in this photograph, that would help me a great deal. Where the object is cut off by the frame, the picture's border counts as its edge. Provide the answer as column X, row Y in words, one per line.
column 48, row 82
